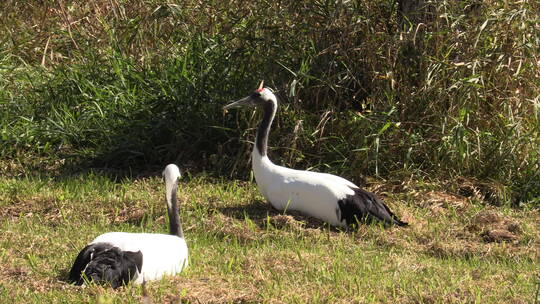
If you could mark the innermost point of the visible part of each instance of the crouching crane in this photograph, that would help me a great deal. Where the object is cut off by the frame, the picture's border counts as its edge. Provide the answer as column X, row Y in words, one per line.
column 330, row 198
column 117, row 258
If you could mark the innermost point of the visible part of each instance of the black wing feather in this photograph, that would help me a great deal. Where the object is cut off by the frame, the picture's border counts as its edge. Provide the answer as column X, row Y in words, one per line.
column 83, row 258
column 105, row 264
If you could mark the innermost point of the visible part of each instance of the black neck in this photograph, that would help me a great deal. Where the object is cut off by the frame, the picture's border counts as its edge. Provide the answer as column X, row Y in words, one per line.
column 175, row 228
column 261, row 141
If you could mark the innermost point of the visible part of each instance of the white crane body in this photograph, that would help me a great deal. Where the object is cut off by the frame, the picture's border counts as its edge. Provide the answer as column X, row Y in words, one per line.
column 163, row 254
column 303, row 191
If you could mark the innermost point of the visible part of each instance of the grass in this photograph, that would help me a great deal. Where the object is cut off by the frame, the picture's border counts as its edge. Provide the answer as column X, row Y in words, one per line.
column 242, row 251
column 438, row 106
column 365, row 87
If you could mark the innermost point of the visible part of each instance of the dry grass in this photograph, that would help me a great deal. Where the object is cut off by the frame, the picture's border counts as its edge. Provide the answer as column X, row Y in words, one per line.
column 457, row 249
column 128, row 84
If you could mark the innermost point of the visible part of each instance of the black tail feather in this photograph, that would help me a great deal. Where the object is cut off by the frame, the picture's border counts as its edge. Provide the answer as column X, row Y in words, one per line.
column 365, row 206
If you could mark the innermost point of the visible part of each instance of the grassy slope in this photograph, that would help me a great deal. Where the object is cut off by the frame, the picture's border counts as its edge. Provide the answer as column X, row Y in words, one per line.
column 242, row 251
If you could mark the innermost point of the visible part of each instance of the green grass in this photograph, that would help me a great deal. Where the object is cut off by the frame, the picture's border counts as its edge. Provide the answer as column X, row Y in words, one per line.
column 363, row 89
column 441, row 108
column 242, row 251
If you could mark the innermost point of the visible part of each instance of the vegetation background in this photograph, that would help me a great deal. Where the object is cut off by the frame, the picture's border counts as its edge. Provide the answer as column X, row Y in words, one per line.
column 437, row 93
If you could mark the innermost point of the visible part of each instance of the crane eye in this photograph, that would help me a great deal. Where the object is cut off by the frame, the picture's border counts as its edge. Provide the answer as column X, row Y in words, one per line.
column 256, row 95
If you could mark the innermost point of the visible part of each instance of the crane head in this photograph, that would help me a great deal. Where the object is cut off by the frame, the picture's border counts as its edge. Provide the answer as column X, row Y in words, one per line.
column 259, row 97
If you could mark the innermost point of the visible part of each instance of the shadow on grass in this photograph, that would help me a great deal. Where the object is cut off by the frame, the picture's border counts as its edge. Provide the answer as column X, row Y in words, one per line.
column 63, row 274
column 257, row 210
column 263, row 214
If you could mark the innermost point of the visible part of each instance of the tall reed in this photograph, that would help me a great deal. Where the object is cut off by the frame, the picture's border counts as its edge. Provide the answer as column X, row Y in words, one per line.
column 364, row 90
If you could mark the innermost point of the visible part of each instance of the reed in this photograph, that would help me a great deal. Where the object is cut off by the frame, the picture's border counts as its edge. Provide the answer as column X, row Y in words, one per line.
column 452, row 92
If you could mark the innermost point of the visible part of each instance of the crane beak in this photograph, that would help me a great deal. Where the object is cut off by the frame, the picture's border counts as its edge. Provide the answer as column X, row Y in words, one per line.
column 246, row 101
